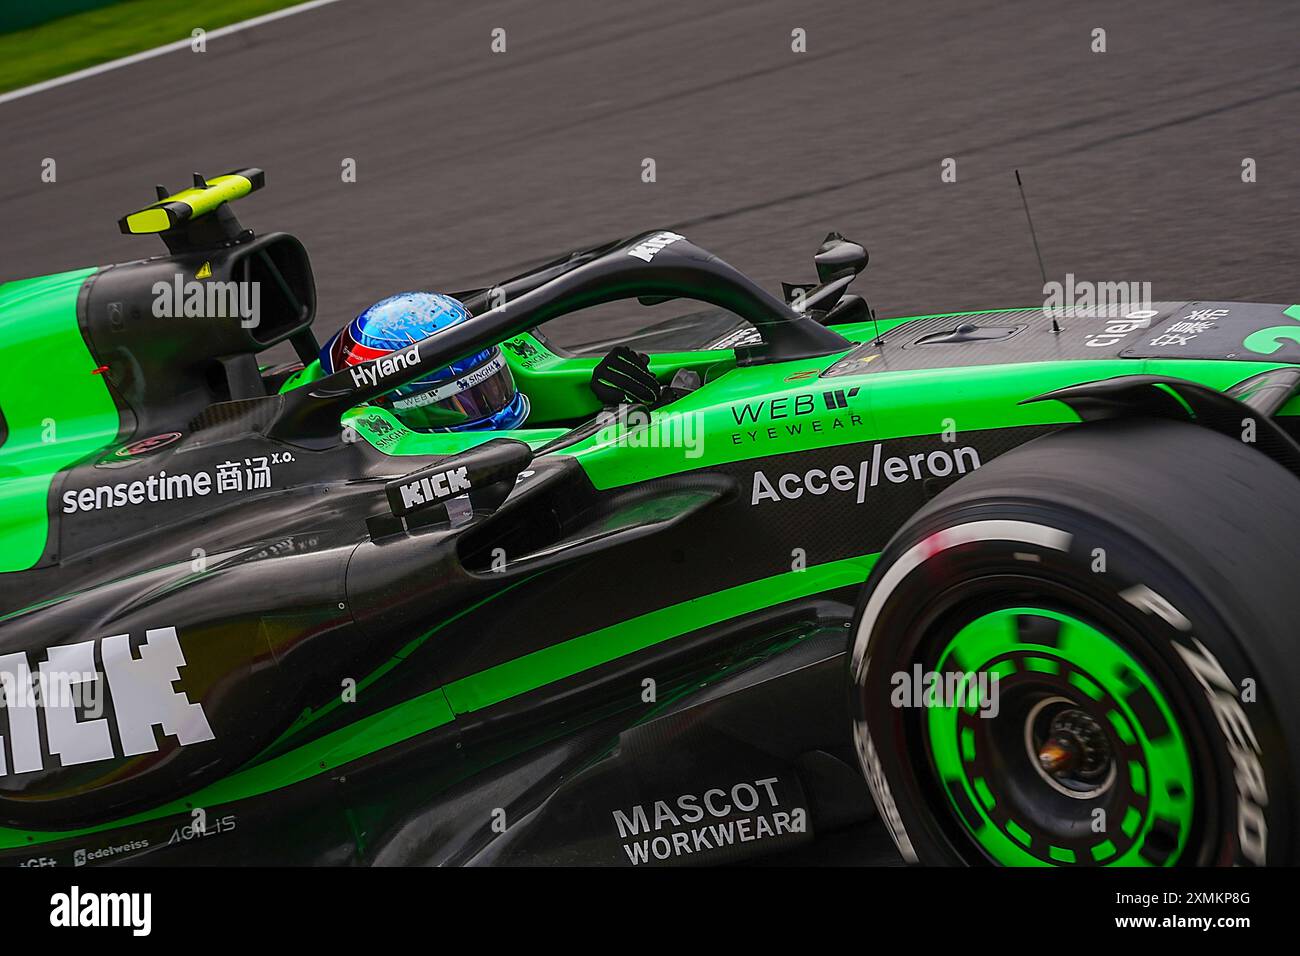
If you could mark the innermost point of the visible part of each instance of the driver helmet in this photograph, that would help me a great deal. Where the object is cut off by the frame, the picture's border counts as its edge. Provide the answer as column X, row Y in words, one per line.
column 475, row 393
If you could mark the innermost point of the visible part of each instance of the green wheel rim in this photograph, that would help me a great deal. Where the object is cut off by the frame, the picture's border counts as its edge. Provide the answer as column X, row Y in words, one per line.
column 1154, row 757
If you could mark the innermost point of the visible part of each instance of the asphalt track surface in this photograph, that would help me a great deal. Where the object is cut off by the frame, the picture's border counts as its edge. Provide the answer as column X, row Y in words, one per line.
column 473, row 165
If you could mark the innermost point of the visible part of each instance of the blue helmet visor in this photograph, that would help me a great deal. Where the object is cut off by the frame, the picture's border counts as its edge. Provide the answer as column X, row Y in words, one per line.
column 457, row 402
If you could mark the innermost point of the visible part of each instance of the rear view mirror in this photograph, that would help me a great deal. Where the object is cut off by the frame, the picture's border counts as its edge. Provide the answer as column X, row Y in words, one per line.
column 838, row 257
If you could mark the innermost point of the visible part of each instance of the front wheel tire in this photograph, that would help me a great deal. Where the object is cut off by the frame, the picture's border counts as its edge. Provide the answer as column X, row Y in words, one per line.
column 1086, row 653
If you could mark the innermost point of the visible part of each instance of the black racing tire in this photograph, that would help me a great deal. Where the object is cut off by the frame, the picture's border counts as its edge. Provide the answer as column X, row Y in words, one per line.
column 1162, row 556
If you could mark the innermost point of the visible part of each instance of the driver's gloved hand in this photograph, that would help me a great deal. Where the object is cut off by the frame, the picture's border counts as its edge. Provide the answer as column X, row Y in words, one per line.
column 624, row 377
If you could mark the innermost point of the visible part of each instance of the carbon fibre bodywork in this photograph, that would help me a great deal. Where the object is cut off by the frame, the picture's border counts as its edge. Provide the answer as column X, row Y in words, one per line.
column 625, row 647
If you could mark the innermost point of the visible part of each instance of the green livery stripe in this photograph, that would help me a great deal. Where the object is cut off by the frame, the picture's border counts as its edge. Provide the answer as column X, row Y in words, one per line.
column 310, row 717
column 439, row 707
column 609, row 643
column 387, row 434
column 49, row 428
column 733, row 419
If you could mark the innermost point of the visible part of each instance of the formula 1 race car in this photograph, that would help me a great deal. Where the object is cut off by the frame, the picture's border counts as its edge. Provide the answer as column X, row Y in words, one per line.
column 1021, row 579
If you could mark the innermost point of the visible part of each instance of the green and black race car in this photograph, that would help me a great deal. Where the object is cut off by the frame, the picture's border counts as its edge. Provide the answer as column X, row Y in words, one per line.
column 1022, row 580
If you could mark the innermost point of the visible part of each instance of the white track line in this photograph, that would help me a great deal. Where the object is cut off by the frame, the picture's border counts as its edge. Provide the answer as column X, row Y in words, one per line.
column 160, row 50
